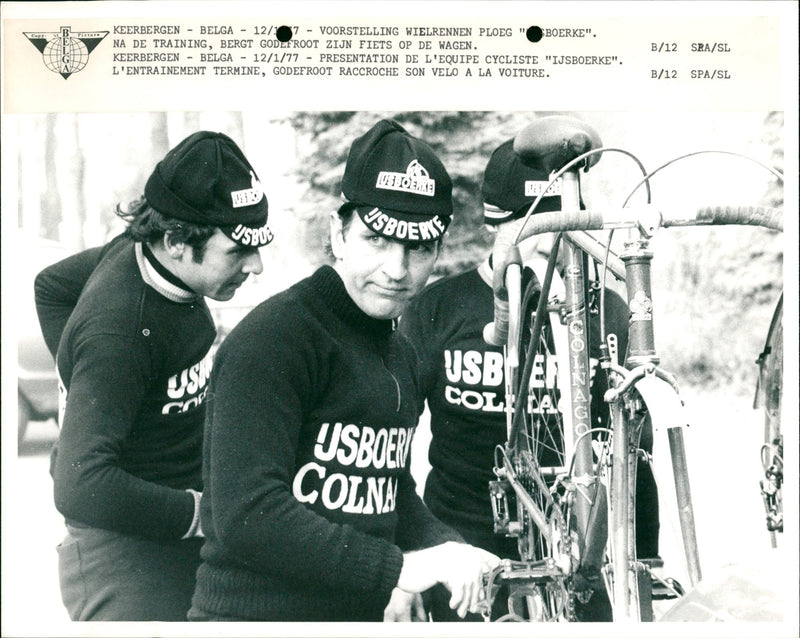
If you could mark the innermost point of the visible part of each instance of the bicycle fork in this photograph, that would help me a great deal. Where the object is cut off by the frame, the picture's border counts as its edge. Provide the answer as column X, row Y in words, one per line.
column 654, row 386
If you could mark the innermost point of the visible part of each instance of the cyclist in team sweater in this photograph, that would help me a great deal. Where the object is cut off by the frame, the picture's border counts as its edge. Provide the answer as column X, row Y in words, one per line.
column 309, row 509
column 131, row 333
column 463, row 378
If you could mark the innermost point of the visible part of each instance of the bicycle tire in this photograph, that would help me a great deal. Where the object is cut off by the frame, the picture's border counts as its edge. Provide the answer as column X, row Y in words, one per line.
column 537, row 450
column 770, row 395
column 634, row 576
column 541, row 462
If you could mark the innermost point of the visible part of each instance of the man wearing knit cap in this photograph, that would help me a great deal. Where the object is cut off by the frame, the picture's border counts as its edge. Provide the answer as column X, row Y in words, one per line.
column 463, row 377
column 310, row 511
column 131, row 334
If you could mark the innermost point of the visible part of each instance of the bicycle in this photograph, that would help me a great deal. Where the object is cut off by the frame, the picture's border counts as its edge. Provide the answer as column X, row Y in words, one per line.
column 769, row 396
column 566, row 489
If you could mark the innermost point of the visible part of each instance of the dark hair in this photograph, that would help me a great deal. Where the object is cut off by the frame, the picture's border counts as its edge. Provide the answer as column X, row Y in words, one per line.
column 348, row 209
column 346, row 212
column 146, row 224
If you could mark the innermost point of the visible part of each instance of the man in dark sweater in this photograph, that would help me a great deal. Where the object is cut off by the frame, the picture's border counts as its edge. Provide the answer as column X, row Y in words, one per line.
column 131, row 333
column 463, row 377
column 309, row 509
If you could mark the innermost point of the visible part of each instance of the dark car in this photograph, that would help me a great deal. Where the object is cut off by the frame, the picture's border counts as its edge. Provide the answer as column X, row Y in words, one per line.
column 37, row 382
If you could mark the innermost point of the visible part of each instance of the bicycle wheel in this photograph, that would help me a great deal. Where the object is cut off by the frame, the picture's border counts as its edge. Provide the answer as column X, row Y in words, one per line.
column 559, row 453
column 541, row 460
column 535, row 583
column 770, row 394
column 627, row 578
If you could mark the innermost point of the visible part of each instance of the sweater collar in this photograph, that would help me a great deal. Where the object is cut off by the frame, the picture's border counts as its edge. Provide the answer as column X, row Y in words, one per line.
column 162, row 270
column 157, row 281
column 330, row 285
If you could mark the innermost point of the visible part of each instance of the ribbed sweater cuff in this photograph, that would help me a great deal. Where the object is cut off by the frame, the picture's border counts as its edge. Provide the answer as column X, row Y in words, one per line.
column 385, row 565
column 251, row 596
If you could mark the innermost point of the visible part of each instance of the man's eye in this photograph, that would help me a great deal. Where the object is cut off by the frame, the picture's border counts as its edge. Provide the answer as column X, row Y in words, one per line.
column 376, row 240
column 243, row 252
column 421, row 247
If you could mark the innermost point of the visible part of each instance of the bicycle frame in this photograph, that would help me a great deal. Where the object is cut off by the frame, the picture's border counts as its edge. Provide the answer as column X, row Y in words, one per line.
column 655, row 388
column 577, row 321
column 659, row 393
column 638, row 389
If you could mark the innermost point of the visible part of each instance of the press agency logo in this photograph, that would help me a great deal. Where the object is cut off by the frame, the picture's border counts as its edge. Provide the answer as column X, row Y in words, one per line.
column 65, row 52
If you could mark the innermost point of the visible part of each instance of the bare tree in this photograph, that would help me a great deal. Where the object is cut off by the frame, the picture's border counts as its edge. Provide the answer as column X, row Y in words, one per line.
column 50, row 200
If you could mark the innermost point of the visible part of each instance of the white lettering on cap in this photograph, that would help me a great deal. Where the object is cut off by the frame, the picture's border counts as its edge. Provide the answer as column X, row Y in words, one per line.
column 248, row 236
column 414, row 180
column 248, row 196
column 385, row 225
column 535, row 188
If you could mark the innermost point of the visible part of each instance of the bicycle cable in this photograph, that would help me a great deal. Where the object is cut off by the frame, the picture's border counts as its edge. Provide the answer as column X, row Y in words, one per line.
column 646, row 180
column 538, row 323
column 568, row 166
column 648, row 176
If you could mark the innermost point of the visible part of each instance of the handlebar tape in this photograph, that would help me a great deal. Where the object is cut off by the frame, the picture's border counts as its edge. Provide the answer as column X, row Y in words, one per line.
column 506, row 252
column 764, row 216
column 503, row 256
column 560, row 221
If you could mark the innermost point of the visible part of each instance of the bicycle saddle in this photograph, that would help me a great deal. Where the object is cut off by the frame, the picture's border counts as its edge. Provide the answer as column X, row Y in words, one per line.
column 550, row 142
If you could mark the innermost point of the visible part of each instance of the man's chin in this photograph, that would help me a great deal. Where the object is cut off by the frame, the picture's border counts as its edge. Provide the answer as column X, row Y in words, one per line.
column 390, row 311
column 226, row 294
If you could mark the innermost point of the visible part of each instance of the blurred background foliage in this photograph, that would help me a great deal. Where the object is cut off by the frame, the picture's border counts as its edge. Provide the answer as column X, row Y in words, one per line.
column 715, row 289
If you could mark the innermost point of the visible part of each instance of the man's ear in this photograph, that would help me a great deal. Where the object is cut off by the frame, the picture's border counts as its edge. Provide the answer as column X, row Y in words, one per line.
column 174, row 248
column 337, row 235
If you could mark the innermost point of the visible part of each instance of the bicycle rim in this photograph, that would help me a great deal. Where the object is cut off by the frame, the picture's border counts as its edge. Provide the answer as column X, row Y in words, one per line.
column 540, row 458
column 633, row 575
column 772, row 450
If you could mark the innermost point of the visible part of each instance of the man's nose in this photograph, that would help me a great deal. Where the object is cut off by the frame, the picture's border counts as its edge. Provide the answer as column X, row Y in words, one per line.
column 253, row 264
column 395, row 263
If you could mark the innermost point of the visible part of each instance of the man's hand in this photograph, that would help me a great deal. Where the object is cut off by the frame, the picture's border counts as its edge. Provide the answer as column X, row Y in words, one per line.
column 460, row 567
column 466, row 566
column 404, row 607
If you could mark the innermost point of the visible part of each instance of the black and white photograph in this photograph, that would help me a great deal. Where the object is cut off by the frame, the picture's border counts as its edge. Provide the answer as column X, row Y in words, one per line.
column 463, row 316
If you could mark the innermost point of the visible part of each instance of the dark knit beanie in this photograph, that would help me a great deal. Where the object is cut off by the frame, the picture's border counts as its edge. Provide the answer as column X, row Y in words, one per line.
column 206, row 179
column 398, row 185
column 510, row 187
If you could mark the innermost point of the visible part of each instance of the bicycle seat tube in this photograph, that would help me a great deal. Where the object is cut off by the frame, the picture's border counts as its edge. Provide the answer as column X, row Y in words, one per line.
column 578, row 337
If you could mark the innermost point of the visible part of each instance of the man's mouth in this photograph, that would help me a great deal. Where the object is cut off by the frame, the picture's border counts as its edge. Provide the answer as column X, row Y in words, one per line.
column 236, row 283
column 390, row 290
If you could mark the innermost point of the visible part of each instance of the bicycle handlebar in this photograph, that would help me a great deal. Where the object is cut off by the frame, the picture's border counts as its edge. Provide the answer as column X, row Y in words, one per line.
column 507, row 283
column 647, row 218
column 765, row 216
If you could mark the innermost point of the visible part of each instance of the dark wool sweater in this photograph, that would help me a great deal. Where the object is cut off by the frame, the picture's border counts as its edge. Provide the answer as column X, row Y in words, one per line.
column 462, row 379
column 133, row 359
column 308, row 501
